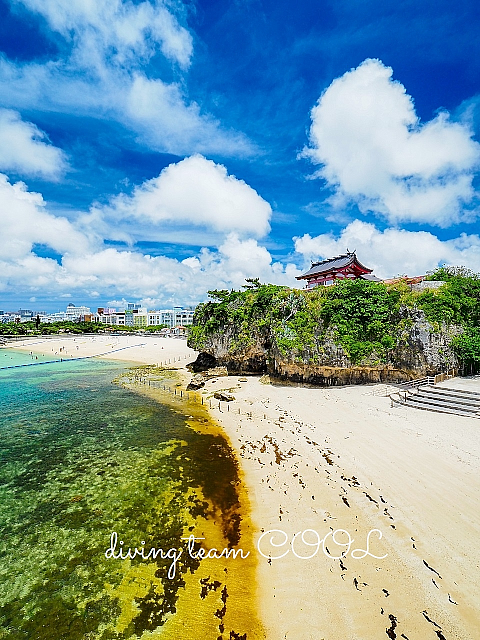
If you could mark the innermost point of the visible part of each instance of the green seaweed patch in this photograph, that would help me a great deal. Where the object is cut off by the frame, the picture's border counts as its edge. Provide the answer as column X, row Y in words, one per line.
column 109, row 461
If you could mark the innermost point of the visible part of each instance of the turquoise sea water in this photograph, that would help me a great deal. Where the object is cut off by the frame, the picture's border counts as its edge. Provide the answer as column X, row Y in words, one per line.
column 14, row 357
column 81, row 457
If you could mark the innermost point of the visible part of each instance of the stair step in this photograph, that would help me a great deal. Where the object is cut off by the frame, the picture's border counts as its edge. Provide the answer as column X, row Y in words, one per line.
column 441, row 403
column 473, row 396
column 440, row 399
column 462, row 391
column 444, row 397
column 437, row 409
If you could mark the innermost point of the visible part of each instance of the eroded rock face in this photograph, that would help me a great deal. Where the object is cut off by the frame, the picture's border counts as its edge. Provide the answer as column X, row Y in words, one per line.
column 420, row 351
column 423, row 350
column 251, row 362
column 339, row 376
column 203, row 362
column 228, row 351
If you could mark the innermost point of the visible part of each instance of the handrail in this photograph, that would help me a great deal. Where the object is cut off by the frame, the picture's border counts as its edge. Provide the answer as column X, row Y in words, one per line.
column 440, row 400
column 418, row 382
column 431, row 380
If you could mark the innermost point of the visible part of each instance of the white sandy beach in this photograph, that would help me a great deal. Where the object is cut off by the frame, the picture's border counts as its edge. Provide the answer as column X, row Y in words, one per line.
column 342, row 458
column 131, row 348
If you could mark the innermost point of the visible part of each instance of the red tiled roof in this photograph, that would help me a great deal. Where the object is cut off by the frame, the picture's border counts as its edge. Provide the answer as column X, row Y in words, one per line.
column 339, row 262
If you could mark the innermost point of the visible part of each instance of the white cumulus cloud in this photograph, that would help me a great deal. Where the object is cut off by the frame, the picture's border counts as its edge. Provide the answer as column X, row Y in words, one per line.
column 125, row 30
column 24, row 221
column 393, row 251
column 24, row 149
column 109, row 70
column 131, row 274
column 199, row 192
column 375, row 152
column 86, row 269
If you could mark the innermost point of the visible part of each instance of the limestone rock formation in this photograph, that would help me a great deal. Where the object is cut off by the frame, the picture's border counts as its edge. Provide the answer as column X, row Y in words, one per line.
column 420, row 350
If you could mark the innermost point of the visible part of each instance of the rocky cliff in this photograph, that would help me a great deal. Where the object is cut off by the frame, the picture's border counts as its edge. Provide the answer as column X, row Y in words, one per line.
column 294, row 335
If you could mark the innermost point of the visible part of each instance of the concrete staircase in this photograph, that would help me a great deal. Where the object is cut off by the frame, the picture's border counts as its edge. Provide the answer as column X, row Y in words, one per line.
column 440, row 399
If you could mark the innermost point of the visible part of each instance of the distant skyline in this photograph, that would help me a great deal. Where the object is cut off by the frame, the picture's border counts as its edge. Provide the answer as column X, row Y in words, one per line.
column 150, row 151
column 124, row 305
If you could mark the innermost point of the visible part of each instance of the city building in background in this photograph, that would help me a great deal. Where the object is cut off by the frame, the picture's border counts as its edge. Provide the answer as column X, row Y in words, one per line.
column 137, row 316
column 133, row 315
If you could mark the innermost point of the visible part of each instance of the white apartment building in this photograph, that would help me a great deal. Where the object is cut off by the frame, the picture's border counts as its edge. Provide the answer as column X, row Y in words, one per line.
column 74, row 313
column 113, row 318
column 137, row 317
column 61, row 316
column 140, row 317
column 176, row 317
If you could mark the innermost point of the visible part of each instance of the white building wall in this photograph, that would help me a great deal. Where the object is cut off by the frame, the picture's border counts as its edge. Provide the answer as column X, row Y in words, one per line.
column 170, row 317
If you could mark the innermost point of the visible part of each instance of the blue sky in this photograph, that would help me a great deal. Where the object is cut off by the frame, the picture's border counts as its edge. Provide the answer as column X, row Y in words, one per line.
column 154, row 150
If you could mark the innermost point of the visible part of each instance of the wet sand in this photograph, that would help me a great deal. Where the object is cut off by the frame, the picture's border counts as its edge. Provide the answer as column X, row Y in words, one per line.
column 343, row 458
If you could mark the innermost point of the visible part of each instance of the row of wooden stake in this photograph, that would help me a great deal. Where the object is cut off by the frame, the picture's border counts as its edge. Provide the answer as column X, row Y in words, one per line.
column 187, row 395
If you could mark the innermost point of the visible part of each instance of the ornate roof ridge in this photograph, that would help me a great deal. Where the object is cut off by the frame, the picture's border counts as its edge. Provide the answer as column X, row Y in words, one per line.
column 332, row 264
column 343, row 255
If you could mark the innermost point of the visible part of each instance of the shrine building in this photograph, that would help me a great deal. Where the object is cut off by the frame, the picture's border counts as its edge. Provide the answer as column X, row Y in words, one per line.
column 325, row 273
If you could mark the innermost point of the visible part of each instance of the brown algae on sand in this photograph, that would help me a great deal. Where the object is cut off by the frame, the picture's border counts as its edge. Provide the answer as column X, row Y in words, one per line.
column 218, row 595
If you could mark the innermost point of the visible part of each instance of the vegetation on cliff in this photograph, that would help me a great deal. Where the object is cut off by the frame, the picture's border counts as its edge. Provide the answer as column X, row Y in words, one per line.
column 457, row 302
column 364, row 320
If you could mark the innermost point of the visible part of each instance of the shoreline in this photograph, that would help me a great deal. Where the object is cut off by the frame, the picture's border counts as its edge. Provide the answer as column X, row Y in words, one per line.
column 342, row 458
column 242, row 572
column 141, row 349
column 202, row 607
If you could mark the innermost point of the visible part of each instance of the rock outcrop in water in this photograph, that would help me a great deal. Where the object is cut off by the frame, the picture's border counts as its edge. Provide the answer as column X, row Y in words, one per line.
column 383, row 343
